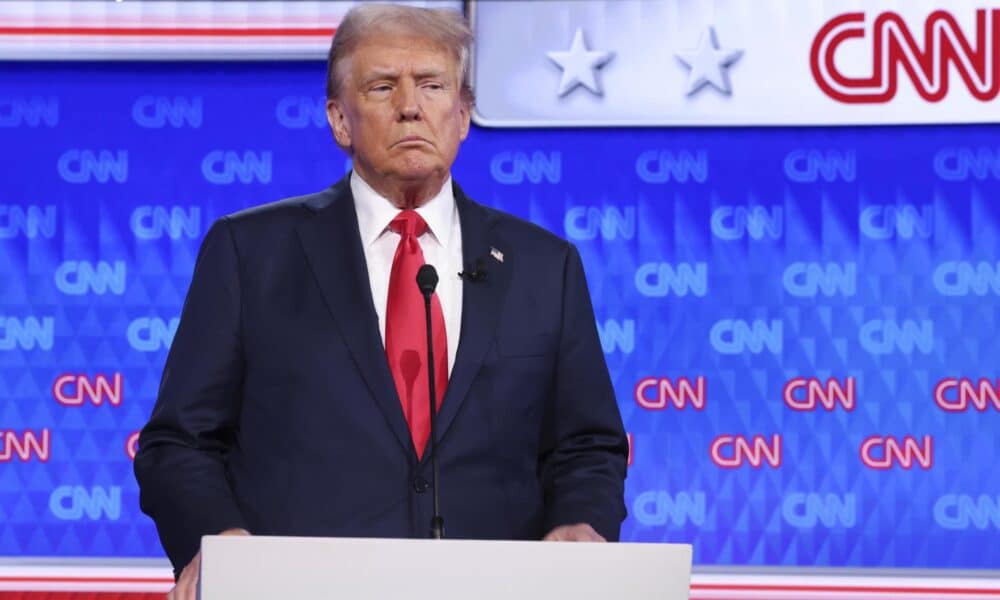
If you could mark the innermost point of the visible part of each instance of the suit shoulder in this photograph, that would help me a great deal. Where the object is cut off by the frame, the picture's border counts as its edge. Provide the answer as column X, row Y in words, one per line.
column 281, row 211
column 527, row 234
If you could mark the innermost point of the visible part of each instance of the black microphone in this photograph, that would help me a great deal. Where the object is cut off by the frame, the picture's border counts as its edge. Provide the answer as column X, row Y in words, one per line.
column 427, row 279
column 474, row 272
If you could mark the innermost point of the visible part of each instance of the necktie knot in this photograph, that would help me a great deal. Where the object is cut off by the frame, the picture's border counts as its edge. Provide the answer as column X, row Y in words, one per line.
column 409, row 223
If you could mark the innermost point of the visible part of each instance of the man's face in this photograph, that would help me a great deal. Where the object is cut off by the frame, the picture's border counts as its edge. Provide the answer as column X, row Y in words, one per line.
column 401, row 111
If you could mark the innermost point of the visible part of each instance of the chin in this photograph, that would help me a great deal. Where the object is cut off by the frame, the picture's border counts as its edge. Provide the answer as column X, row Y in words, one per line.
column 418, row 172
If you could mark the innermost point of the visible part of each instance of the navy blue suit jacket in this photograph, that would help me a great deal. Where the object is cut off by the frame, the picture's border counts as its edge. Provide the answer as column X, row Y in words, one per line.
column 277, row 411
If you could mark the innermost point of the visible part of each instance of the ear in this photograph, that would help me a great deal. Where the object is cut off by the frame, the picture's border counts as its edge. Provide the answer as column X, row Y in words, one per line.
column 337, row 119
column 465, row 113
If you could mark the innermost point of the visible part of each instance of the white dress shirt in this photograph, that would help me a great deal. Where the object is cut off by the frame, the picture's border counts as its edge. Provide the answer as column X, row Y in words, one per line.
column 441, row 245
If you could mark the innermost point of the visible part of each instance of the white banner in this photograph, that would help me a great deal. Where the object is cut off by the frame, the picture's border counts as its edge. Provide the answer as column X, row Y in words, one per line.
column 736, row 62
column 135, row 29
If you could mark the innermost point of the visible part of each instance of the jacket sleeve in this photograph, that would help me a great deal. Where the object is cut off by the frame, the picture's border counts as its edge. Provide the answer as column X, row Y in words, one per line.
column 181, row 461
column 584, row 448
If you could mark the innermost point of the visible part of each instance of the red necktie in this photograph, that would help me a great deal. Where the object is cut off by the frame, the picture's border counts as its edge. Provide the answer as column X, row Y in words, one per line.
column 406, row 331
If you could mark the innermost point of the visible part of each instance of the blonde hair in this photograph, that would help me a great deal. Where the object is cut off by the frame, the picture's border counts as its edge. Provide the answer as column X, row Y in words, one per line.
column 441, row 26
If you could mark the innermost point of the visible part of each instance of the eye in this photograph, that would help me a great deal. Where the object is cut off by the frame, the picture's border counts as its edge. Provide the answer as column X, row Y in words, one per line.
column 433, row 85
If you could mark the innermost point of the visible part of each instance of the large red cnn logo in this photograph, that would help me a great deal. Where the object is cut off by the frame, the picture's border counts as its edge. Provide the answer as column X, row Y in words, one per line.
column 807, row 393
column 734, row 451
column 23, row 447
column 884, row 452
column 74, row 390
column 956, row 395
column 656, row 393
column 895, row 51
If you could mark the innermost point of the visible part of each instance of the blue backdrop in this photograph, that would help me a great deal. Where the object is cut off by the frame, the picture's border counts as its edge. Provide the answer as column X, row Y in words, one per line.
column 800, row 323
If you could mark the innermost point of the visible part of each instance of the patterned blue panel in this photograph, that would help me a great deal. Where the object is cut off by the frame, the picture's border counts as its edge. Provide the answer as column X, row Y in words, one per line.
column 800, row 323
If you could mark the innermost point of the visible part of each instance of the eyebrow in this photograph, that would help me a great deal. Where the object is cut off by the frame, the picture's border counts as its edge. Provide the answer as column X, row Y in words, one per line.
column 393, row 74
column 382, row 74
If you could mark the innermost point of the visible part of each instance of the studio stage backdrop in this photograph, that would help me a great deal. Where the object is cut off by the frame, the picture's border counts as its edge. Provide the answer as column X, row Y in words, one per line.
column 801, row 322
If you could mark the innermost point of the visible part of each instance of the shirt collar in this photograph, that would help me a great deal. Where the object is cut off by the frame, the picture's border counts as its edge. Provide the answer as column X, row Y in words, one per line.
column 375, row 211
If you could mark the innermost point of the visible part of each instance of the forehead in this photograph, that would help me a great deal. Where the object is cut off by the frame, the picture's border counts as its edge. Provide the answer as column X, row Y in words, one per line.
column 399, row 54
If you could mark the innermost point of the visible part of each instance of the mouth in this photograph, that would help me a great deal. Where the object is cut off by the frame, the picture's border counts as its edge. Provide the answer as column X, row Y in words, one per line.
column 412, row 140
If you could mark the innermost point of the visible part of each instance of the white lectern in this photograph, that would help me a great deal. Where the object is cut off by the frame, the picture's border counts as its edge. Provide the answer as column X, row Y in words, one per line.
column 252, row 568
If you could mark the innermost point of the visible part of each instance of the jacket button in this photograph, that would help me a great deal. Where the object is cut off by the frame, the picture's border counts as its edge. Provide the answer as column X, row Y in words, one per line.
column 421, row 485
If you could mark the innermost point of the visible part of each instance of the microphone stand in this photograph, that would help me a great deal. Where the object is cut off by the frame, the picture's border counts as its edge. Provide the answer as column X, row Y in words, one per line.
column 427, row 279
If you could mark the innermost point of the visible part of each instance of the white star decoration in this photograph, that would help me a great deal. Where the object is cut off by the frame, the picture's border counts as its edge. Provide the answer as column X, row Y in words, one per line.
column 708, row 64
column 579, row 66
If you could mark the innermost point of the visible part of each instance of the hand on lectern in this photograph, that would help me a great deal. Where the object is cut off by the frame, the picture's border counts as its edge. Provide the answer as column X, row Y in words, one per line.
column 581, row 532
column 187, row 584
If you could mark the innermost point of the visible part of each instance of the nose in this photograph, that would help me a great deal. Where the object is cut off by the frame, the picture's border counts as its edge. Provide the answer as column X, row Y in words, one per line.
column 407, row 102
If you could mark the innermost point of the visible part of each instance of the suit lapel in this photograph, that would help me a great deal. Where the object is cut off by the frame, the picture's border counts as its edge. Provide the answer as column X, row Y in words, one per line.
column 482, row 304
column 333, row 248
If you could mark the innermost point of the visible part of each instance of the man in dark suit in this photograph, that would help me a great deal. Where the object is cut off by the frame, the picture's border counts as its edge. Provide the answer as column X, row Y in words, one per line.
column 294, row 400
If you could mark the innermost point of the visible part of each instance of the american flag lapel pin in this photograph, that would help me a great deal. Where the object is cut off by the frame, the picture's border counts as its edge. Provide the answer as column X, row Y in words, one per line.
column 496, row 254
